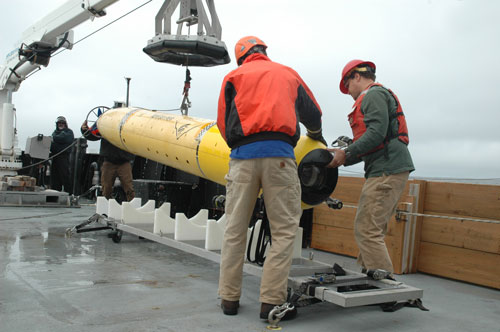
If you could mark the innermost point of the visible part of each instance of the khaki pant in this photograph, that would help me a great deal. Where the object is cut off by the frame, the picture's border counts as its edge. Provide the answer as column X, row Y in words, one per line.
column 110, row 171
column 281, row 189
column 377, row 203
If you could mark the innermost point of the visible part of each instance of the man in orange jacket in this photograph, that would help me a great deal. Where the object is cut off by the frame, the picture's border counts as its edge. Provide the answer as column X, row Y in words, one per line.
column 260, row 106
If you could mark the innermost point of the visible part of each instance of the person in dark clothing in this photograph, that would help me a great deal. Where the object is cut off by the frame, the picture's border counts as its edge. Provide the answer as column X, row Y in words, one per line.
column 117, row 163
column 62, row 138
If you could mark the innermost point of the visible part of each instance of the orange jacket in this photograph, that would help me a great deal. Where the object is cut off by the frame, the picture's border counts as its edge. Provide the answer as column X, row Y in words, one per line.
column 356, row 120
column 263, row 100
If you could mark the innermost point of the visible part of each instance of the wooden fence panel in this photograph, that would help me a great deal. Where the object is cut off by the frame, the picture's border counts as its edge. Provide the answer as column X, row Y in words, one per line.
column 348, row 189
column 458, row 249
column 462, row 234
column 343, row 218
column 334, row 239
column 461, row 249
column 473, row 266
column 482, row 201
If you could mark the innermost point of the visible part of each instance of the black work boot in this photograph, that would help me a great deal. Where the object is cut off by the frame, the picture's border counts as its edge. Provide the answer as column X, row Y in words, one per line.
column 229, row 307
column 265, row 309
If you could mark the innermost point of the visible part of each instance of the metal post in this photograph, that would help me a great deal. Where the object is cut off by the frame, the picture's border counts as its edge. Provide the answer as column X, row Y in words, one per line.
column 128, row 87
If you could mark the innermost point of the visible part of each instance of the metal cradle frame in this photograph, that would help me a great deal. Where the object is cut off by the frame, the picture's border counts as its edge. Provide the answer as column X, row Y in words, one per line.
column 349, row 290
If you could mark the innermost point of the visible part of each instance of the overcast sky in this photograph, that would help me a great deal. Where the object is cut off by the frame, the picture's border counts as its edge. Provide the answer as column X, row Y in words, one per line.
column 441, row 57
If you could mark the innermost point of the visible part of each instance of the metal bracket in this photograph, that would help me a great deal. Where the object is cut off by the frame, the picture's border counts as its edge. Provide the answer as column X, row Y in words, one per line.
column 402, row 211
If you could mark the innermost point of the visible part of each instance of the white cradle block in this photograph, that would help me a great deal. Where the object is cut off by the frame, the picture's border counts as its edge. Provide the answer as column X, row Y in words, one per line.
column 200, row 218
column 114, row 209
column 148, row 207
column 215, row 233
column 191, row 229
column 101, row 206
column 136, row 202
column 142, row 215
column 163, row 223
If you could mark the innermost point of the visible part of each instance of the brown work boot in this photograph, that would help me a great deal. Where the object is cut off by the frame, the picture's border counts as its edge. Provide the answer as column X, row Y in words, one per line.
column 229, row 307
column 265, row 309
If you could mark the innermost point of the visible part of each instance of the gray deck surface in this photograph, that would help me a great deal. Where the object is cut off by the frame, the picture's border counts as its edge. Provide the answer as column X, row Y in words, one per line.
column 88, row 283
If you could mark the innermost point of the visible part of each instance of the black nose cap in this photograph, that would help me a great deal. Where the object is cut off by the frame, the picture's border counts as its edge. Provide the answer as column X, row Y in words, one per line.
column 317, row 181
column 312, row 176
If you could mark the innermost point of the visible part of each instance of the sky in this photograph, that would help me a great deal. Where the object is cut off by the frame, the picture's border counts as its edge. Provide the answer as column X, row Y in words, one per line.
column 441, row 57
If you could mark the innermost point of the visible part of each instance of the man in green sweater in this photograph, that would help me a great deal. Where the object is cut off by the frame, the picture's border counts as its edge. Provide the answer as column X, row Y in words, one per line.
column 380, row 140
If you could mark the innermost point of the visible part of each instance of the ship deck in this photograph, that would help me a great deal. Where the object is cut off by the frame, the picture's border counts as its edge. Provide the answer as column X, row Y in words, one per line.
column 89, row 283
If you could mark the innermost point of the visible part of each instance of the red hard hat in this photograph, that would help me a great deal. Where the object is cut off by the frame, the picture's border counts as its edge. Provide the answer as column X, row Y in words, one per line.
column 245, row 44
column 350, row 66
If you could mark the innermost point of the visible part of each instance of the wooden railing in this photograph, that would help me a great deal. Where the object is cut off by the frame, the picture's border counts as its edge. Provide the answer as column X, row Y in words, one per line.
column 457, row 249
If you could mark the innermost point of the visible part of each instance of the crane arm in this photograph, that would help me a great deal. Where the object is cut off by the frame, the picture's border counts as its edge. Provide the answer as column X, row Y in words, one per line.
column 43, row 38
column 35, row 48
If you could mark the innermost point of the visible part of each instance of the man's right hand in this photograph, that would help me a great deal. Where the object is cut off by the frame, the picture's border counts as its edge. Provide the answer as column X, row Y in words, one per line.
column 338, row 158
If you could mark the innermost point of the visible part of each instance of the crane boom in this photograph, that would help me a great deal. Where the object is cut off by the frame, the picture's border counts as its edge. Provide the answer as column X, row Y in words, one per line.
column 42, row 39
column 36, row 46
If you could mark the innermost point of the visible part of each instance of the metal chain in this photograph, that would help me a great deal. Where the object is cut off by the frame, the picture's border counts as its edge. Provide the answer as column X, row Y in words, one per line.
column 276, row 314
column 490, row 221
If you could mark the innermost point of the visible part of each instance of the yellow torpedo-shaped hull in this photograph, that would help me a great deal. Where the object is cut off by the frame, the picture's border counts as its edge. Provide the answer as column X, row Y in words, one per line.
column 193, row 145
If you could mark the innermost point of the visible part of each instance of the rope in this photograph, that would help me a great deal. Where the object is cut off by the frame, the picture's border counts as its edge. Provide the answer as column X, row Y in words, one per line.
column 170, row 110
column 51, row 157
column 348, row 171
column 489, row 221
column 428, row 179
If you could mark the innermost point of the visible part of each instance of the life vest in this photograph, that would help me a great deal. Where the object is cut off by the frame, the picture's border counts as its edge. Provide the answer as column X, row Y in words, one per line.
column 357, row 123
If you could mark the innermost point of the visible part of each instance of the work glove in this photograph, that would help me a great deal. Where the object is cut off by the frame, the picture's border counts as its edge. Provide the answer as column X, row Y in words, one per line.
column 317, row 137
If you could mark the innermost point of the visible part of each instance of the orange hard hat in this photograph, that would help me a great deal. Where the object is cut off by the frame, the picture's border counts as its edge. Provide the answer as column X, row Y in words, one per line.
column 245, row 44
column 348, row 69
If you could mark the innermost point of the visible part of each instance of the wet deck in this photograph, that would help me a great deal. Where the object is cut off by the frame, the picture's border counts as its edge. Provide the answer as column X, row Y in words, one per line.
column 88, row 283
